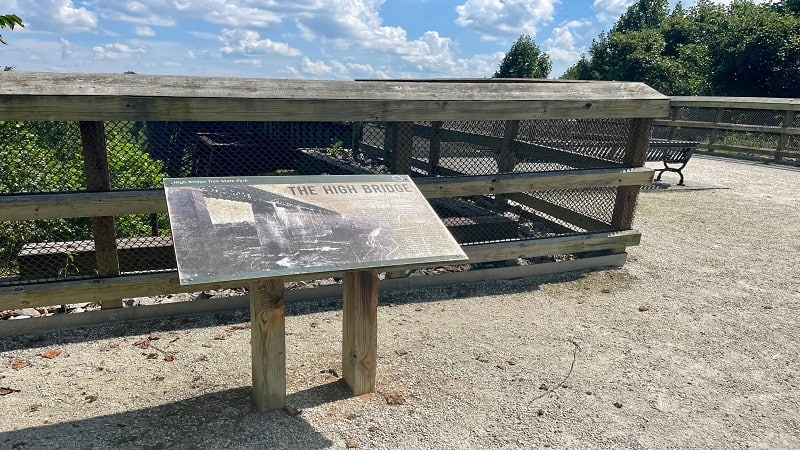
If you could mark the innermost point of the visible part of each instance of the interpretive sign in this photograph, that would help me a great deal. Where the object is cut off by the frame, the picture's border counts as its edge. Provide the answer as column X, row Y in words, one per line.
column 244, row 228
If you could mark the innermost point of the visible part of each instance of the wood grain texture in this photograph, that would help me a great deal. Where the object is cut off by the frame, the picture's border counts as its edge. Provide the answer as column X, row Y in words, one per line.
column 268, row 342
column 117, row 203
column 46, row 294
column 65, row 96
column 98, row 179
column 635, row 153
column 360, row 330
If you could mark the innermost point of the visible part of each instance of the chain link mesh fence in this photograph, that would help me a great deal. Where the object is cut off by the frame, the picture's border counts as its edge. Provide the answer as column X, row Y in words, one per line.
column 47, row 157
column 711, row 130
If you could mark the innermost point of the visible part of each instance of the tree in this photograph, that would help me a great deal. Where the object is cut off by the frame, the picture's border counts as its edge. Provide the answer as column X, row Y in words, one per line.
column 642, row 15
column 10, row 21
column 524, row 60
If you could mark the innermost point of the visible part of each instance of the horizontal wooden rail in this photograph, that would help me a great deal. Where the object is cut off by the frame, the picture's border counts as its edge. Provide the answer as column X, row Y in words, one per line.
column 540, row 181
column 118, row 203
column 97, row 290
column 87, row 97
column 727, row 126
column 81, row 204
column 784, row 104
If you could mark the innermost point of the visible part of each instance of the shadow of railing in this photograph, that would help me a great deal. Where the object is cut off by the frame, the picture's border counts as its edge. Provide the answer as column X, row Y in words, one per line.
column 225, row 419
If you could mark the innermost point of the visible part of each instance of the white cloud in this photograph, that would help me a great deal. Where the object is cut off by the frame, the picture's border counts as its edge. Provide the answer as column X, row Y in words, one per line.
column 246, row 42
column 117, row 51
column 610, row 10
column 232, row 13
column 495, row 19
column 144, row 31
column 562, row 45
column 56, row 15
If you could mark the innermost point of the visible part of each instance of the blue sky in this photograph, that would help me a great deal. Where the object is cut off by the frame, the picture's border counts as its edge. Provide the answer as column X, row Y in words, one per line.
column 315, row 39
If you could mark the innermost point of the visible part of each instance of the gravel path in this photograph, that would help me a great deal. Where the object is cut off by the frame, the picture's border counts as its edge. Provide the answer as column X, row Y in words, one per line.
column 693, row 344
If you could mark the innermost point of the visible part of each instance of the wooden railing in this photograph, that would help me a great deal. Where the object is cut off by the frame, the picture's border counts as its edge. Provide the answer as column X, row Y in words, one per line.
column 91, row 99
column 763, row 128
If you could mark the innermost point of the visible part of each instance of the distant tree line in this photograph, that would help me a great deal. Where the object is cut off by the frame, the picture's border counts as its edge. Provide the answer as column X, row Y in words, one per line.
column 740, row 49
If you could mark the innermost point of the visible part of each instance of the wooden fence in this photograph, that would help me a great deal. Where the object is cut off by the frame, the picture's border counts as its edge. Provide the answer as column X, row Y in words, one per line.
column 763, row 128
column 92, row 99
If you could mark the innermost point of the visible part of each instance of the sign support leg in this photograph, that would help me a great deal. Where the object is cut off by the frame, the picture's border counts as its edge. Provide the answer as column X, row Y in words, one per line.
column 268, row 340
column 360, row 330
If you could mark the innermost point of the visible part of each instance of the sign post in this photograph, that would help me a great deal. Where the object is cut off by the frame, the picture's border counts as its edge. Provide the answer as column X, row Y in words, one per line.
column 262, row 230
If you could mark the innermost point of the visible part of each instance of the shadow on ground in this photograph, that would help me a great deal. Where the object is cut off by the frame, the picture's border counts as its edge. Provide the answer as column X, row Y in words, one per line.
column 431, row 294
column 226, row 419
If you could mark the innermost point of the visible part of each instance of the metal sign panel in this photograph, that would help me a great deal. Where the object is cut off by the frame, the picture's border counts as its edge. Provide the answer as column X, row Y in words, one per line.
column 243, row 228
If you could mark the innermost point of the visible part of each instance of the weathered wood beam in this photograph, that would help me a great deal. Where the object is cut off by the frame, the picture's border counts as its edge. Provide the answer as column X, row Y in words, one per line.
column 70, row 96
column 118, row 203
column 66, row 292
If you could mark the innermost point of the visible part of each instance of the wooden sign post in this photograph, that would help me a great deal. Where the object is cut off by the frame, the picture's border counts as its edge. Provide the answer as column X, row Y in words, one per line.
column 264, row 229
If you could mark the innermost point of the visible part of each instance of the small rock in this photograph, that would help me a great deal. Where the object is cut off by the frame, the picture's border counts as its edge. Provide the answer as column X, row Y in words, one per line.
column 30, row 312
column 644, row 308
column 394, row 398
column 618, row 404
column 351, row 443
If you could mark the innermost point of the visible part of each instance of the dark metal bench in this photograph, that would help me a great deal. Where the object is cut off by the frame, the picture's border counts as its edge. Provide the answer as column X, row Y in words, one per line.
column 670, row 152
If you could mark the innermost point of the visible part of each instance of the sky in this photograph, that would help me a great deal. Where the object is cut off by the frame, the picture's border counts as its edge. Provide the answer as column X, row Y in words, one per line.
column 305, row 39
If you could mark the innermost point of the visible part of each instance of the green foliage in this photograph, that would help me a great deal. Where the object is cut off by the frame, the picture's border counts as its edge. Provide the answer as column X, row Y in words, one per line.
column 524, row 60
column 709, row 49
column 642, row 15
column 47, row 157
column 337, row 150
column 10, row 21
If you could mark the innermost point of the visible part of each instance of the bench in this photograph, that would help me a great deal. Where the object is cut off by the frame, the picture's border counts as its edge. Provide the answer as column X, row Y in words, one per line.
column 670, row 152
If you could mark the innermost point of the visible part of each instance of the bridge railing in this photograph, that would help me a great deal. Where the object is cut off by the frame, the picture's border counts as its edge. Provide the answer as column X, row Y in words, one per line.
column 761, row 128
column 82, row 212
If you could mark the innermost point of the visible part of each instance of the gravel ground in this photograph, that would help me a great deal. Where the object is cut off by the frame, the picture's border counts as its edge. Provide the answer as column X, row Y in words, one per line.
column 693, row 344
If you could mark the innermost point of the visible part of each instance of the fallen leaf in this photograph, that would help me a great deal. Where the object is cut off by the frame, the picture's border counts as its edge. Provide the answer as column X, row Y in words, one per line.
column 6, row 391
column 605, row 290
column 314, row 324
column 394, row 398
column 50, row 354
column 644, row 308
column 90, row 398
column 511, row 362
column 401, row 352
column 618, row 404
column 292, row 411
column 19, row 364
column 373, row 429
column 142, row 343
column 219, row 337
column 540, row 412
column 34, row 408
column 152, row 355
column 350, row 443
column 169, row 358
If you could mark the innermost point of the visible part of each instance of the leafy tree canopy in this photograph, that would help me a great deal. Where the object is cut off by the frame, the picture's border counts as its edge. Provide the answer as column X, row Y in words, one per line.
column 10, row 21
column 709, row 49
column 524, row 60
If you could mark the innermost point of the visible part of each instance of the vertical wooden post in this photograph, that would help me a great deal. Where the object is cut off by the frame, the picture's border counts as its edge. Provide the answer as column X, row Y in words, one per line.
column 360, row 330
column 674, row 115
column 635, row 150
column 783, row 139
column 506, row 159
column 98, row 179
column 435, row 154
column 401, row 156
column 713, row 137
column 268, row 342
